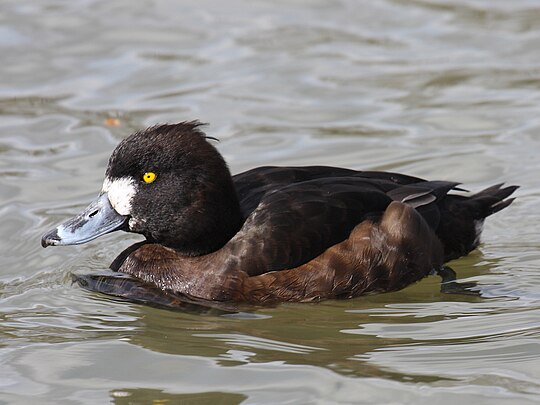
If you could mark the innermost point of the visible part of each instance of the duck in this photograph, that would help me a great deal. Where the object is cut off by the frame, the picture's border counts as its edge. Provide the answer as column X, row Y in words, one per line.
column 270, row 234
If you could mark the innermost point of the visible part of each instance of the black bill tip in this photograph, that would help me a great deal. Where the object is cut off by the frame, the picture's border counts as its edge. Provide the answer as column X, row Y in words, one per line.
column 50, row 239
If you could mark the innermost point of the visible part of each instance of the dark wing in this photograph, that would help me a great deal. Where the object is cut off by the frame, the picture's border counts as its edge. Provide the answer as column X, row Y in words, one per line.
column 253, row 184
column 426, row 197
column 293, row 214
column 293, row 224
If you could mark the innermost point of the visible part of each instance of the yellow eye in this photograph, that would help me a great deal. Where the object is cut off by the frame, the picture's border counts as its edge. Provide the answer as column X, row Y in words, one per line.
column 149, row 177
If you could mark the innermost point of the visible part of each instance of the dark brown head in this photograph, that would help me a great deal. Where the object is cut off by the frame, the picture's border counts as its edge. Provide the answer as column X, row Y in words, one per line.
column 169, row 184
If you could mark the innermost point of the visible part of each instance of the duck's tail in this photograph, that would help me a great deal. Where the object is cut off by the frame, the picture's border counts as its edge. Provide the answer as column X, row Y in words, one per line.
column 493, row 199
column 462, row 218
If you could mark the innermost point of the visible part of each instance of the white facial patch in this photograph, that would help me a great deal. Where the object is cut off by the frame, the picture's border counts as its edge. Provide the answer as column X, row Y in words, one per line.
column 121, row 192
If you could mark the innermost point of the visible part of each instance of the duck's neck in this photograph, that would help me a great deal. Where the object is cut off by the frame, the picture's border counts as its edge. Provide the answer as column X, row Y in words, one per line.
column 208, row 222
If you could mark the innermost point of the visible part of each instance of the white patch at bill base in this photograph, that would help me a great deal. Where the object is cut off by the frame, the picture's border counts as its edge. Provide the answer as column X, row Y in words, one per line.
column 121, row 192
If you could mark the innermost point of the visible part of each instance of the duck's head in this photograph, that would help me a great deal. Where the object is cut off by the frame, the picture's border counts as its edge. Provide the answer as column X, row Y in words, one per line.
column 167, row 183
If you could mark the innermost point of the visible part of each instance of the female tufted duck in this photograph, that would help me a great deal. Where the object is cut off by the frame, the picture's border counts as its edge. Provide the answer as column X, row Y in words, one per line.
column 271, row 234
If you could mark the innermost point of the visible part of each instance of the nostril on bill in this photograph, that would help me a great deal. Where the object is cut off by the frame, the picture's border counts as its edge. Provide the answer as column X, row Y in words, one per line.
column 93, row 213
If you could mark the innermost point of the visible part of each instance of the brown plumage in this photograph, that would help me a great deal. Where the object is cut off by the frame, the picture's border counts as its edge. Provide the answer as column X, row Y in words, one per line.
column 270, row 234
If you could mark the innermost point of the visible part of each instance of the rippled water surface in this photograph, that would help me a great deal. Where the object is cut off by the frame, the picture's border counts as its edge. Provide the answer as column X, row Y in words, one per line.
column 441, row 89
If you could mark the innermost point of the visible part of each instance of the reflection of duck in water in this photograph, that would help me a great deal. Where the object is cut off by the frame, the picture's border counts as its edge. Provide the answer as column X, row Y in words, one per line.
column 272, row 233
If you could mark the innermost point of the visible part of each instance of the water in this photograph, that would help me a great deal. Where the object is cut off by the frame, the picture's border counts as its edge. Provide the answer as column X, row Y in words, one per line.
column 446, row 90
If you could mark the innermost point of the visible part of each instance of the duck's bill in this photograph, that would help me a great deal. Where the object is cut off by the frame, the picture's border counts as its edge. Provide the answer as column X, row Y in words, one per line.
column 98, row 219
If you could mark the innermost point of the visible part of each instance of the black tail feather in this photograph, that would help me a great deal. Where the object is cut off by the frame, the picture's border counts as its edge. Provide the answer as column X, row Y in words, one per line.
column 462, row 217
column 492, row 199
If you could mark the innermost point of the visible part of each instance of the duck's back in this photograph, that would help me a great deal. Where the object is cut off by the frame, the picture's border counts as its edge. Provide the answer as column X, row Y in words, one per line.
column 253, row 184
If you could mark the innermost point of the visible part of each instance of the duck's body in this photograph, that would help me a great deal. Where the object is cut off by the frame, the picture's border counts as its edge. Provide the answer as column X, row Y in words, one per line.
column 273, row 233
